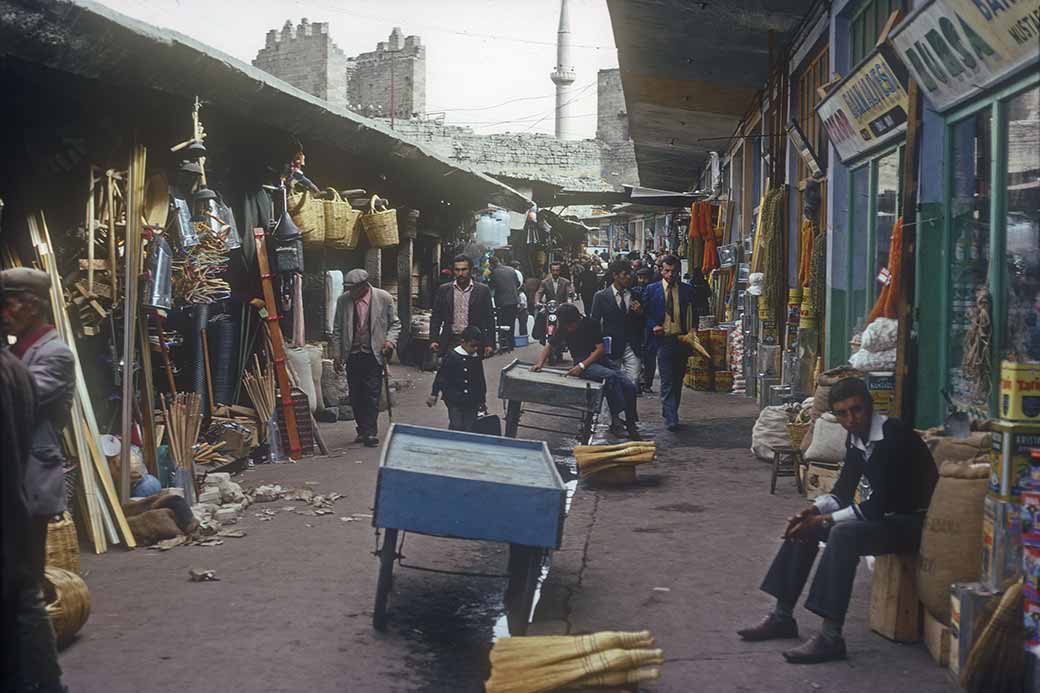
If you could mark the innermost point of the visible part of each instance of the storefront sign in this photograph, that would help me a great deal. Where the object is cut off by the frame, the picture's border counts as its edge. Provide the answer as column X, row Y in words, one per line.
column 954, row 48
column 797, row 138
column 868, row 108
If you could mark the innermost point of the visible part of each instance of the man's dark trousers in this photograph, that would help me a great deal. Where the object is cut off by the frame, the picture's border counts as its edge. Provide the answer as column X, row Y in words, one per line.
column 507, row 319
column 671, row 361
column 364, row 378
column 846, row 542
column 461, row 418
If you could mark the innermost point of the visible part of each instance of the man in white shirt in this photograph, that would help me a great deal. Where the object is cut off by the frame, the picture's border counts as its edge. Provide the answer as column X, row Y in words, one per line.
column 612, row 308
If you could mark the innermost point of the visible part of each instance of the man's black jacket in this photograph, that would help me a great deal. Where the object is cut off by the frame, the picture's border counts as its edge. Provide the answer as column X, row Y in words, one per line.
column 443, row 314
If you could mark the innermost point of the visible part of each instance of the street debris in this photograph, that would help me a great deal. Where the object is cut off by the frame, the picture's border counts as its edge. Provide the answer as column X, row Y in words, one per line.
column 232, row 533
column 167, row 544
column 201, row 575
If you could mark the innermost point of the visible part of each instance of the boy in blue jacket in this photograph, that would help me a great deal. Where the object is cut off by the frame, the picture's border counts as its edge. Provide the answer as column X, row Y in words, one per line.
column 460, row 381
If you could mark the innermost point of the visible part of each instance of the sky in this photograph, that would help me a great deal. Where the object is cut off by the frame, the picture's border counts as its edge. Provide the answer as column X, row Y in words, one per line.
column 487, row 61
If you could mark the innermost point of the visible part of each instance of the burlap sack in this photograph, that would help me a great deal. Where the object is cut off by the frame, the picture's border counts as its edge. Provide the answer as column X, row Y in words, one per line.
column 975, row 447
column 823, row 386
column 951, row 544
column 828, row 441
column 770, row 432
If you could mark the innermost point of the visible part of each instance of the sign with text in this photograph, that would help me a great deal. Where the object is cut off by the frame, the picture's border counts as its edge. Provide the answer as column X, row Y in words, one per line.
column 868, row 108
column 954, row 48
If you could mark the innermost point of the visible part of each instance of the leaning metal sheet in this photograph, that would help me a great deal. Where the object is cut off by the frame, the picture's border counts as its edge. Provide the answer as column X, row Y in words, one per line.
column 550, row 386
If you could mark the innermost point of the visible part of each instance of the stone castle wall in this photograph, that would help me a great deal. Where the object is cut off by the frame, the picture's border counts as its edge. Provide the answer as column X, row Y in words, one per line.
column 306, row 57
column 611, row 112
column 369, row 78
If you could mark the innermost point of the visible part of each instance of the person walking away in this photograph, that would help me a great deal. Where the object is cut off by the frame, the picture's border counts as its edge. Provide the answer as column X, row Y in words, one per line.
column 611, row 308
column 647, row 350
column 37, row 394
column 458, row 305
column 460, row 381
column 366, row 332
column 701, row 292
column 588, row 287
column 505, row 288
column 584, row 340
column 522, row 306
column 893, row 470
column 668, row 306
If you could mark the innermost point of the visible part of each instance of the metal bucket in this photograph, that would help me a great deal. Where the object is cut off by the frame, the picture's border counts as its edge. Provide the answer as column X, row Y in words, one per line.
column 158, row 284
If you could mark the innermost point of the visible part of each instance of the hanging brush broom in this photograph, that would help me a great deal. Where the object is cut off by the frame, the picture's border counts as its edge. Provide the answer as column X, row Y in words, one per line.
column 560, row 674
column 540, row 650
column 996, row 663
column 617, row 678
column 612, row 448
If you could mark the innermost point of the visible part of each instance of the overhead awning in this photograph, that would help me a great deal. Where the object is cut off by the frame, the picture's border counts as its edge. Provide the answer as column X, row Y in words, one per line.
column 89, row 40
column 690, row 70
column 650, row 197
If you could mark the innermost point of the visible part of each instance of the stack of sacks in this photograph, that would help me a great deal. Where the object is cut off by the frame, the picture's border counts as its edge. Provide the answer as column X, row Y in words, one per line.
column 548, row 663
column 736, row 360
column 593, row 459
column 877, row 346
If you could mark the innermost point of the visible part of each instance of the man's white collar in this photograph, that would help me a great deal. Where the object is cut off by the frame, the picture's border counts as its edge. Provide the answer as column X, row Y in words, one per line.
column 460, row 351
column 877, row 432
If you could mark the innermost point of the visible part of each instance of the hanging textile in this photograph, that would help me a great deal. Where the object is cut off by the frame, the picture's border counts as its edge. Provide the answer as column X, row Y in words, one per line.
column 333, row 290
column 297, row 313
column 805, row 251
column 887, row 306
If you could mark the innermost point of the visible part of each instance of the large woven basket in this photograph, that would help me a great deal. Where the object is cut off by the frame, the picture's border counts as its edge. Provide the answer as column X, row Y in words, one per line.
column 62, row 544
column 68, row 602
column 380, row 227
column 308, row 213
column 342, row 222
column 796, row 432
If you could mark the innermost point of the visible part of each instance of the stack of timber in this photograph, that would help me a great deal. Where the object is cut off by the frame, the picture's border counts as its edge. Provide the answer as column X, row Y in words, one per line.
column 613, row 462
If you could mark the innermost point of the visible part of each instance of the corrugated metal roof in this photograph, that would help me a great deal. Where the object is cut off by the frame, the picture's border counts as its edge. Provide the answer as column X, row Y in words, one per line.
column 90, row 40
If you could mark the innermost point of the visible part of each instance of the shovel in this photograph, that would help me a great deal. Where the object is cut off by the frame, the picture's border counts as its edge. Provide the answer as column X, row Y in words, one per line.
column 957, row 423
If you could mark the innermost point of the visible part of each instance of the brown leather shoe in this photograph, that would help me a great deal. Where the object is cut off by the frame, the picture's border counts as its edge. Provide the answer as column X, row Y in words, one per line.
column 817, row 649
column 771, row 628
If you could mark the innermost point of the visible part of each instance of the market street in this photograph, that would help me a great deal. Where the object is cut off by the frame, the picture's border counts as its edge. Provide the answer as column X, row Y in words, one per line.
column 680, row 554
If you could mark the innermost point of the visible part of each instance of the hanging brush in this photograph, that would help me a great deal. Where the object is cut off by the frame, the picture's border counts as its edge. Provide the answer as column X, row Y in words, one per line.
column 536, row 651
column 996, row 663
column 548, row 678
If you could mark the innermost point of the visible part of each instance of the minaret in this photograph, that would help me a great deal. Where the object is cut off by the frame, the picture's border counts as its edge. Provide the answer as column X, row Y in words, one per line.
column 563, row 78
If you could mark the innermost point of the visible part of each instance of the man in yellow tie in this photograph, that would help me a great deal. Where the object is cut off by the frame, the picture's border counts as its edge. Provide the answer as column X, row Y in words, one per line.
column 668, row 306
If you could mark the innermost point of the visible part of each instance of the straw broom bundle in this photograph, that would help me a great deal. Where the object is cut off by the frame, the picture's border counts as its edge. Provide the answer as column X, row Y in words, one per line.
column 259, row 384
column 619, row 446
column 539, row 650
column 633, row 454
column 997, row 662
column 617, row 678
column 183, row 418
column 560, row 674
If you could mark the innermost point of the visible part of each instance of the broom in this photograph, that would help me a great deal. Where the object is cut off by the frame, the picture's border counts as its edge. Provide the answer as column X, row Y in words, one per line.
column 997, row 662
column 633, row 455
column 617, row 678
column 611, row 448
column 539, row 650
column 560, row 674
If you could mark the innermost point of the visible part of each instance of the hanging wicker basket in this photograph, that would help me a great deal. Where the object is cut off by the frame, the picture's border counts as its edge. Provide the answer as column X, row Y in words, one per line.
column 380, row 227
column 342, row 222
column 308, row 213
column 68, row 602
column 796, row 432
column 63, row 544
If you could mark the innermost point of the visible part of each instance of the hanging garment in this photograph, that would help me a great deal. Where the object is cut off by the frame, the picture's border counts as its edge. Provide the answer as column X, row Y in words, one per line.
column 333, row 290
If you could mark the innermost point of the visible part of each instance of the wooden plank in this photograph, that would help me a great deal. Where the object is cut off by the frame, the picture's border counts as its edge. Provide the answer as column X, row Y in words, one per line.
column 147, row 407
column 131, row 257
column 895, row 610
column 905, row 395
column 937, row 640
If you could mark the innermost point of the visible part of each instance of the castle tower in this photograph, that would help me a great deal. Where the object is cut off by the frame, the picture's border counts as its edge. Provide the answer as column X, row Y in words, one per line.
column 563, row 77
column 306, row 57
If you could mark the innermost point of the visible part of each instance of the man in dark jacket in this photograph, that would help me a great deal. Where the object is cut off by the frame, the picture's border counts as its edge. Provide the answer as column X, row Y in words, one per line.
column 588, row 285
column 458, row 305
column 460, row 381
column 505, row 290
column 612, row 309
column 891, row 467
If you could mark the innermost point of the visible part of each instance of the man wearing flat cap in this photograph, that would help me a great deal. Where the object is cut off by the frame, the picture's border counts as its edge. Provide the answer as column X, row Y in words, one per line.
column 365, row 334
column 51, row 366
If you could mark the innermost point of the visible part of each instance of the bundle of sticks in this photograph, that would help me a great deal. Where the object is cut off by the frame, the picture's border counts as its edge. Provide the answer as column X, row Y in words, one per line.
column 259, row 383
column 549, row 663
column 182, row 414
column 209, row 453
column 593, row 459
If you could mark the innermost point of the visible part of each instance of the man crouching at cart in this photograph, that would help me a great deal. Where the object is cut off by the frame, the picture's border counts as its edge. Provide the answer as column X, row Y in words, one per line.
column 895, row 475
column 584, row 340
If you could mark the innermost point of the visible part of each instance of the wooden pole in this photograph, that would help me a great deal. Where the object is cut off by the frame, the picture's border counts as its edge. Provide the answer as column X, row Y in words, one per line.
column 209, row 373
column 274, row 331
column 905, row 393
column 147, row 400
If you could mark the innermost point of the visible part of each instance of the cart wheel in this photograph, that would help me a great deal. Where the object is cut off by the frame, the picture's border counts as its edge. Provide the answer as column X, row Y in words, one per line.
column 512, row 418
column 587, row 423
column 387, row 554
column 525, row 567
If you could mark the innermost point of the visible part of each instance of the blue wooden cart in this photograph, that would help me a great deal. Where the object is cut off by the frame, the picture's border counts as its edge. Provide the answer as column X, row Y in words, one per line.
column 468, row 486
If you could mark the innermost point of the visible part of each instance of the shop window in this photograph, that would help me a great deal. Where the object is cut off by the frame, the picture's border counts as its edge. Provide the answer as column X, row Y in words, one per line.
column 886, row 206
column 970, row 236
column 1022, row 327
column 867, row 23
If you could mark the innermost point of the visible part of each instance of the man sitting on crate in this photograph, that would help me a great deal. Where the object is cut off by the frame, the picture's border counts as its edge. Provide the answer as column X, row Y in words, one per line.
column 894, row 473
column 365, row 334
column 584, row 340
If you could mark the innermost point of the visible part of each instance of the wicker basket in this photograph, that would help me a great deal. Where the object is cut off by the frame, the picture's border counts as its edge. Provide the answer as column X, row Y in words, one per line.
column 796, row 432
column 342, row 222
column 68, row 602
column 308, row 213
column 63, row 544
column 380, row 227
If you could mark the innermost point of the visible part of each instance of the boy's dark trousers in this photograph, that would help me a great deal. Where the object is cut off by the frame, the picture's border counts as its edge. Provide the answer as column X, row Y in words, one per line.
column 461, row 418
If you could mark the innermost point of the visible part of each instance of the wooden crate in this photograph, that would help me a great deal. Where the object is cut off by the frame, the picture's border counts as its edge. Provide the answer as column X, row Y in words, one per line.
column 895, row 610
column 937, row 640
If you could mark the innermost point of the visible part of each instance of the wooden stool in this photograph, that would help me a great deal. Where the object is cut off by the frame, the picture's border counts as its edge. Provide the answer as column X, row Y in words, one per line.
column 895, row 610
column 787, row 461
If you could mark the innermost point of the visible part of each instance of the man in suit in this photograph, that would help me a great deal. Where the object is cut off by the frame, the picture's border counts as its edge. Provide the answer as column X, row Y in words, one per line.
column 612, row 309
column 52, row 370
column 668, row 306
column 458, row 305
column 505, row 289
column 554, row 287
column 589, row 285
column 645, row 348
column 366, row 332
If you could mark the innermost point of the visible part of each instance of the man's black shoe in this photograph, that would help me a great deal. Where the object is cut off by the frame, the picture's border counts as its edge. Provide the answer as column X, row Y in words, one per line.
column 672, row 427
column 633, row 433
column 772, row 627
column 371, row 442
column 360, row 438
column 817, row 649
column 617, row 430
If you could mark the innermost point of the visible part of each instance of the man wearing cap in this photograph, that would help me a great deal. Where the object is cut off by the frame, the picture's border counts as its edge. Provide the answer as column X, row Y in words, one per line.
column 365, row 334
column 52, row 367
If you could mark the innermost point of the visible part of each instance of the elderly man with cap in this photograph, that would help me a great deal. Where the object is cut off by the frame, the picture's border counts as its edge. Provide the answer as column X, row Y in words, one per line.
column 365, row 334
column 52, row 369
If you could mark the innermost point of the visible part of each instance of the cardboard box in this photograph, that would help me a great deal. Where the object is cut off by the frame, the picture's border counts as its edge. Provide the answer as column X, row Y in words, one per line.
column 937, row 640
column 1029, row 514
column 1031, row 613
column 895, row 609
column 723, row 381
column 1031, row 568
column 882, row 387
column 1001, row 543
column 971, row 606
column 1012, row 446
column 820, row 478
